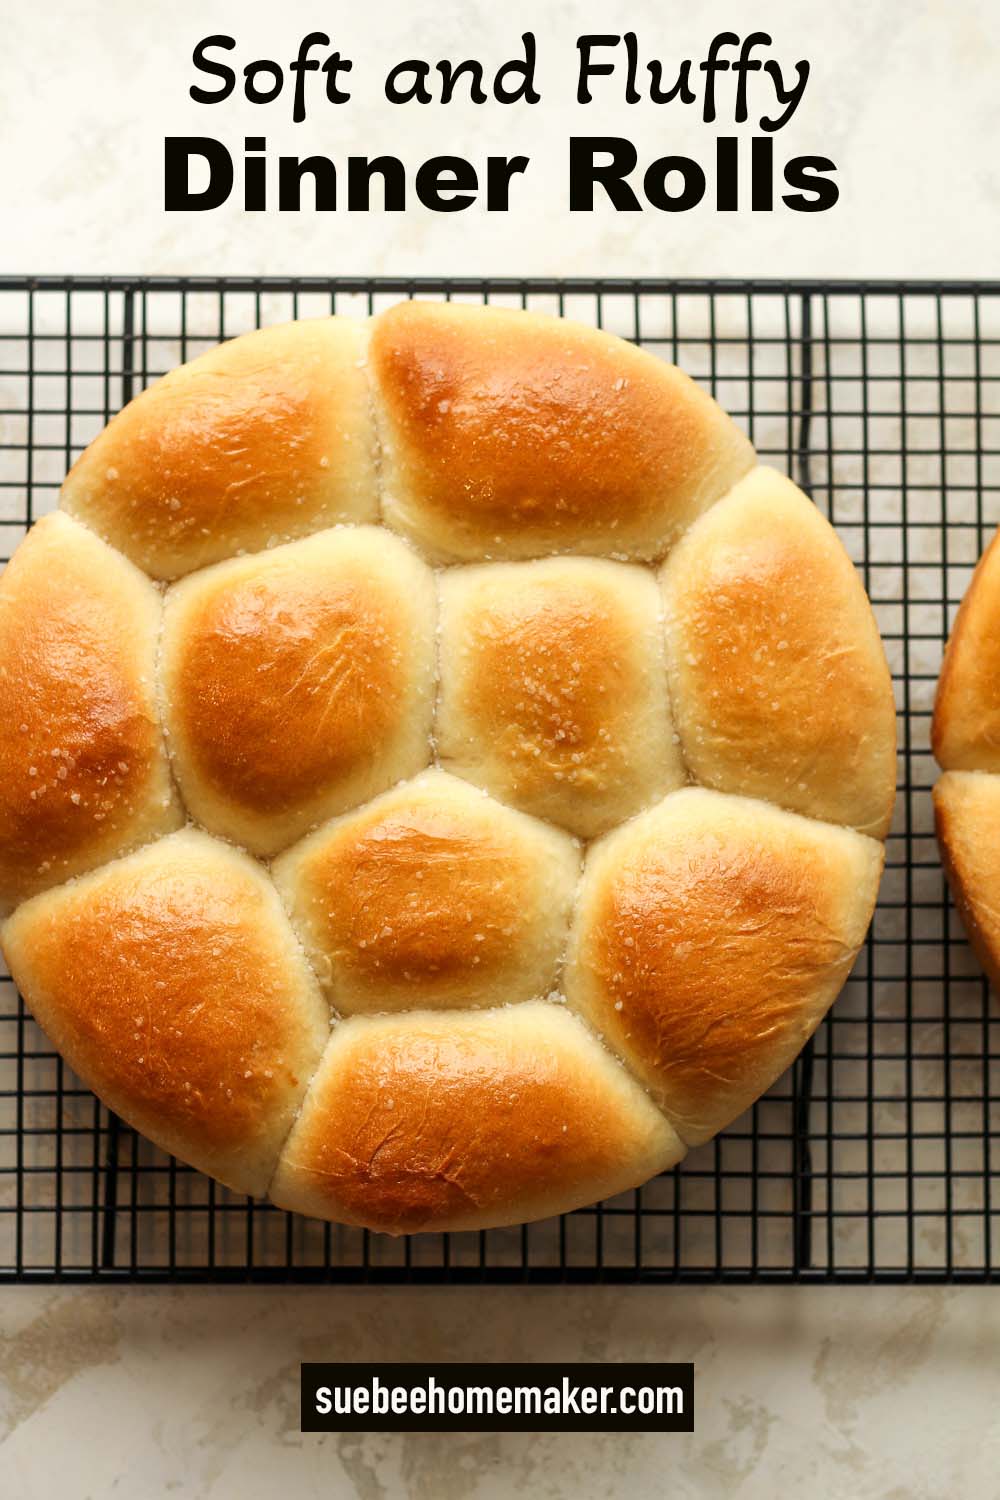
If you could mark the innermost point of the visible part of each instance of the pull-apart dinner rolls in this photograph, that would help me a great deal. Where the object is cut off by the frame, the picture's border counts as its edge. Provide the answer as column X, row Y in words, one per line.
column 534, row 746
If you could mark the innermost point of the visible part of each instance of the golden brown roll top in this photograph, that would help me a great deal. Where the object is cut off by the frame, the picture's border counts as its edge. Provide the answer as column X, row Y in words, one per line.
column 299, row 682
column 172, row 984
column 711, row 935
column 509, row 435
column 432, row 895
column 966, row 728
column 967, row 819
column 263, row 439
column 434, row 1121
column 83, row 772
column 778, row 678
column 503, row 434
column 554, row 688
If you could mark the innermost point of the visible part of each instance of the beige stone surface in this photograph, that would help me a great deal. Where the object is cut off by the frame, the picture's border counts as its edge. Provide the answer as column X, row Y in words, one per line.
column 859, row 1394
column 902, row 97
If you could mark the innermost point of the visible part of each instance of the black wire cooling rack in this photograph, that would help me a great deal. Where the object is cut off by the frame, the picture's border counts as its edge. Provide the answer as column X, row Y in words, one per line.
column 875, row 1158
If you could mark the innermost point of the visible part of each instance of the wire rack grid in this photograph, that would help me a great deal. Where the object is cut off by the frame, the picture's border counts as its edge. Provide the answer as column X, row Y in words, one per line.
column 874, row 1159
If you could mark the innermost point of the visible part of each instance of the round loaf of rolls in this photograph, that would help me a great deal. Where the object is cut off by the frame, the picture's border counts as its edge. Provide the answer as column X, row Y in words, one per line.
column 965, row 738
column 442, row 776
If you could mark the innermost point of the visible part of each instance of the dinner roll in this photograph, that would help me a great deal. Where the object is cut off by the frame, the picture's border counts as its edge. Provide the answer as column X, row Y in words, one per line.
column 433, row 894
column 554, row 688
column 299, row 682
column 967, row 819
column 712, row 933
column 467, row 1120
column 83, row 773
column 258, row 441
column 508, row 435
column 777, row 674
column 172, row 984
column 966, row 728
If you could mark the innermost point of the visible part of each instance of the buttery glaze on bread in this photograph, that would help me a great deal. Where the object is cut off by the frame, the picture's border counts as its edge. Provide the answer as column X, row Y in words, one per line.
column 506, row 434
column 781, row 685
column 965, row 737
column 83, row 772
column 437, row 600
column 477, row 1118
column 432, row 895
column 263, row 439
column 711, row 936
column 554, row 688
column 171, row 981
column 298, row 682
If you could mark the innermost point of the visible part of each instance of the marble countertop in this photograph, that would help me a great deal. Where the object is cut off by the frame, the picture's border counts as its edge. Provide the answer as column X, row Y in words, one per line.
column 853, row 1395
column 901, row 97
column 853, row 1392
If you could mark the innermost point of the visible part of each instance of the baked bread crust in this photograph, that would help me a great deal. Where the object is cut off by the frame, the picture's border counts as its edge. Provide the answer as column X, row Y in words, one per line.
column 268, row 437
column 170, row 981
column 965, row 738
column 486, row 1117
column 447, row 612
column 554, row 689
column 510, row 435
column 965, row 733
column 967, row 822
column 712, row 934
column 777, row 671
column 333, row 635
column 83, row 771
column 432, row 895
